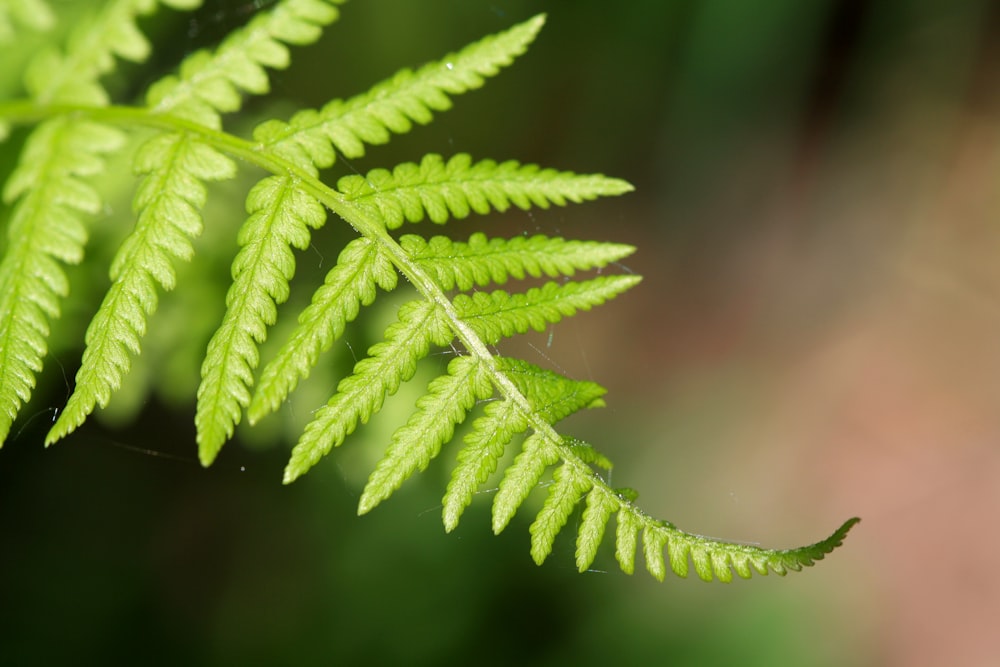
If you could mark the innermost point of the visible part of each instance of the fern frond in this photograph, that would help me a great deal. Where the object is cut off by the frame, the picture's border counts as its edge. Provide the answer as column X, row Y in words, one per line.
column 441, row 190
column 210, row 83
column 497, row 315
column 73, row 76
column 445, row 405
column 168, row 200
column 312, row 137
column 280, row 217
column 45, row 228
column 361, row 394
column 483, row 261
column 32, row 14
column 360, row 268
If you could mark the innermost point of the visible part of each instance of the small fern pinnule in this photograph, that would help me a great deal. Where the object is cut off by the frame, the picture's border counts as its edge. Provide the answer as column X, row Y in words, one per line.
column 461, row 296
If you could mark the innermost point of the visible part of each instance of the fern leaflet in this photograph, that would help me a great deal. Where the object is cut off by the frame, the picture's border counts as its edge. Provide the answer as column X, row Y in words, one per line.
column 394, row 105
column 483, row 261
column 348, row 286
column 34, row 14
column 497, row 315
column 361, row 394
column 280, row 215
column 169, row 200
column 441, row 190
column 445, row 405
column 46, row 228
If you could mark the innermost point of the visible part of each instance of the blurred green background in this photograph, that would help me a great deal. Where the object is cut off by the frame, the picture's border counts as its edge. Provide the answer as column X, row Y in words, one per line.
column 815, row 338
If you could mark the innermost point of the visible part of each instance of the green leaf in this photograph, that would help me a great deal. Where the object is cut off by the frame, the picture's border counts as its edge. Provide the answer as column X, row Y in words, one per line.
column 483, row 261
column 498, row 315
column 52, row 202
column 351, row 284
column 46, row 228
column 625, row 539
column 566, row 490
column 169, row 201
column 585, row 452
column 441, row 190
column 596, row 515
column 550, row 394
column 311, row 137
column 73, row 77
column 478, row 459
column 521, row 478
column 280, row 217
column 33, row 14
column 445, row 405
column 209, row 84
column 653, row 543
column 361, row 394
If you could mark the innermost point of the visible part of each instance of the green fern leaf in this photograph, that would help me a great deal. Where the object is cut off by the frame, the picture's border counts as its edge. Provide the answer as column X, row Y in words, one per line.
column 521, row 478
column 348, row 286
column 596, row 516
column 280, row 215
column 33, row 14
column 548, row 393
column 52, row 201
column 168, row 200
column 478, row 459
column 73, row 77
column 445, row 405
column 551, row 395
column 311, row 137
column 498, row 315
column 585, row 452
column 442, row 190
column 566, row 491
column 361, row 394
column 711, row 558
column 45, row 228
column 626, row 536
column 211, row 83
column 483, row 261
column 653, row 543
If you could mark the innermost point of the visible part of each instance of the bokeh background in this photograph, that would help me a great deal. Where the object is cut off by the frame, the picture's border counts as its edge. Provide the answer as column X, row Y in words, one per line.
column 817, row 336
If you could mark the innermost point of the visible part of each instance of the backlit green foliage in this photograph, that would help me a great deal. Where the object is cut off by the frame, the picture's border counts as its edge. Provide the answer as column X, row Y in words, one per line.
column 178, row 145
